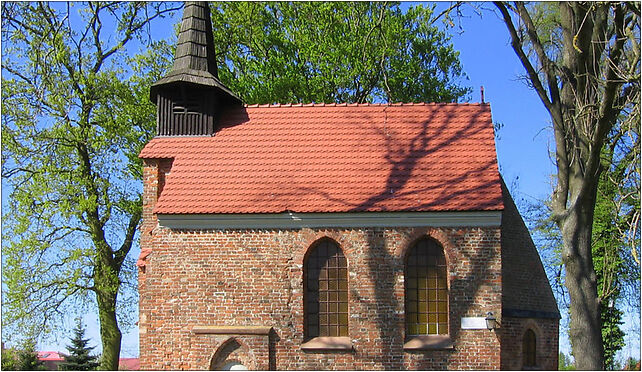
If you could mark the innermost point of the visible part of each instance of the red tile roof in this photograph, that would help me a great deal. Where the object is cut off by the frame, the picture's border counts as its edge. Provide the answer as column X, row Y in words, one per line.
column 50, row 355
column 335, row 158
column 129, row 364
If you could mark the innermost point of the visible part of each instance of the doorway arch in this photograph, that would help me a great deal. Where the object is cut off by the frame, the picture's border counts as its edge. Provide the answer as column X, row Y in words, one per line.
column 231, row 355
column 233, row 365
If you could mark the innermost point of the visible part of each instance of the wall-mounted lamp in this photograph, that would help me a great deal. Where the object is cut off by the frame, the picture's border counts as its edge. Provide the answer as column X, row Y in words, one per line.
column 491, row 321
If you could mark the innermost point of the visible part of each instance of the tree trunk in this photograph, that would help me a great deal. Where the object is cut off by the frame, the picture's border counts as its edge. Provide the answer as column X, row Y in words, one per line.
column 581, row 282
column 107, row 284
column 109, row 333
column 584, row 96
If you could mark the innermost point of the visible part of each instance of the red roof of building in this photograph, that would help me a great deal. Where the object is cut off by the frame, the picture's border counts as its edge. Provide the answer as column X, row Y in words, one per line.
column 335, row 158
column 129, row 364
column 50, row 355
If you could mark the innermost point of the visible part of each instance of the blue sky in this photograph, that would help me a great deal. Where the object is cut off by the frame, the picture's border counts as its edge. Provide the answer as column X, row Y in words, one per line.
column 525, row 138
column 489, row 61
column 522, row 144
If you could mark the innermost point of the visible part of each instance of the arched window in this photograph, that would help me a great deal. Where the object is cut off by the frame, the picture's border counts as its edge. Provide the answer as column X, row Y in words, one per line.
column 426, row 289
column 325, row 272
column 529, row 349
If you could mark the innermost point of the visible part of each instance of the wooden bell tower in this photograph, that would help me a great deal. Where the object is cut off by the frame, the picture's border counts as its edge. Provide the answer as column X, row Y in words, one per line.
column 190, row 97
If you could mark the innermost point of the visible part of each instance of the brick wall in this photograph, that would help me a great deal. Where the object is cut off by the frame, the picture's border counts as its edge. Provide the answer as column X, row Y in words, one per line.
column 526, row 285
column 526, row 290
column 254, row 278
column 250, row 278
column 546, row 333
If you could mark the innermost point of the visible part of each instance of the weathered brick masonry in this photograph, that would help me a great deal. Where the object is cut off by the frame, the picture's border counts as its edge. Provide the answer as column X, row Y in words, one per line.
column 526, row 293
column 254, row 278
column 512, row 334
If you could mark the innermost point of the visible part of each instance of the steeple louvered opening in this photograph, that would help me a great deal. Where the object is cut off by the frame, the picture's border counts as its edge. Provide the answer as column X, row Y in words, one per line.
column 186, row 112
column 190, row 96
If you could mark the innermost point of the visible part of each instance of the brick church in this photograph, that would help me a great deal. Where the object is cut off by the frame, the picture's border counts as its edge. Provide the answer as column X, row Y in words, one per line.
column 329, row 236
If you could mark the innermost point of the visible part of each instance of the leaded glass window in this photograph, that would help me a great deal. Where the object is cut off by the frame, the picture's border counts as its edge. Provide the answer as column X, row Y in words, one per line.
column 426, row 289
column 326, row 291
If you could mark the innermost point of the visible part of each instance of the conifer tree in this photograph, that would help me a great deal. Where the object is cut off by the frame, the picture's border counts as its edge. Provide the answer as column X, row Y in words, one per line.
column 27, row 358
column 79, row 358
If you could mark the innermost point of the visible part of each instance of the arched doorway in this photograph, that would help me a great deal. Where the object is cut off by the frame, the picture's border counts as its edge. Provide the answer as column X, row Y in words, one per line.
column 231, row 356
column 233, row 365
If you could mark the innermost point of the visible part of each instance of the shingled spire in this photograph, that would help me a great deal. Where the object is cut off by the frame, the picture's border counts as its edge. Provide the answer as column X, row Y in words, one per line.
column 190, row 96
column 195, row 48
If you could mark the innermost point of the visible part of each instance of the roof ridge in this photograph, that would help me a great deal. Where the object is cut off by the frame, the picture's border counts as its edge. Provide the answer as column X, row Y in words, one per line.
column 365, row 104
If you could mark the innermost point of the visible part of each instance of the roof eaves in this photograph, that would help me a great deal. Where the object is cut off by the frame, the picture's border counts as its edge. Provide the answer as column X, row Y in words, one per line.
column 345, row 104
column 196, row 77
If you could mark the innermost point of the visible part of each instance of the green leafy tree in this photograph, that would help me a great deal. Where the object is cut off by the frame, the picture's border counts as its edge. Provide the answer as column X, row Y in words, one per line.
column 69, row 163
column 79, row 358
column 23, row 359
column 614, row 259
column 612, row 334
column 610, row 268
column 334, row 52
column 9, row 360
column 565, row 363
column 616, row 270
column 583, row 60
column 615, row 266
column 632, row 364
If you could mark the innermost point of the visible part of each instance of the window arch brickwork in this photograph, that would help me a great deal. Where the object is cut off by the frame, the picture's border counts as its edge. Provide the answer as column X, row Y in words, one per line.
column 426, row 289
column 325, row 281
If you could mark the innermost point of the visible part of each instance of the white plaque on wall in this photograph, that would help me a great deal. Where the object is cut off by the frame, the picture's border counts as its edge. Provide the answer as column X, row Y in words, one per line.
column 473, row 323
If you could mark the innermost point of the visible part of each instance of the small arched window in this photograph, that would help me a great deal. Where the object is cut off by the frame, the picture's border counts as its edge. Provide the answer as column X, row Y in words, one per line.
column 529, row 349
column 426, row 289
column 325, row 272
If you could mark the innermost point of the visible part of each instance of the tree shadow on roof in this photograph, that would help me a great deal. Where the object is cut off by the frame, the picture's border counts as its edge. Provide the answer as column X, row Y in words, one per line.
column 386, row 268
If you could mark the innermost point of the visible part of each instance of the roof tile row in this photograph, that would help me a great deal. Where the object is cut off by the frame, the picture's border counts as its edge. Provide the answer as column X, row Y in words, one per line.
column 335, row 158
